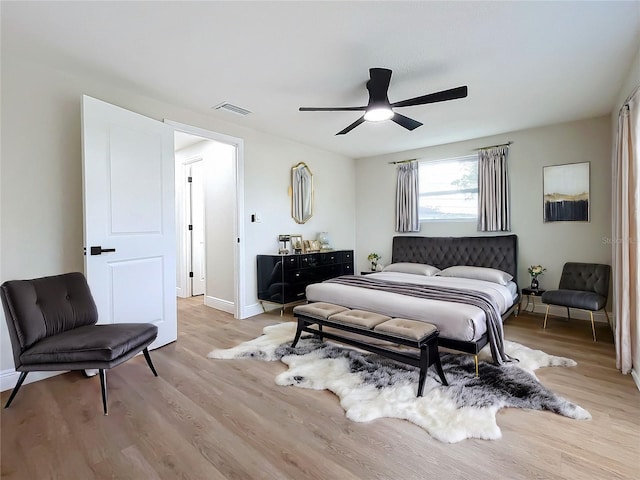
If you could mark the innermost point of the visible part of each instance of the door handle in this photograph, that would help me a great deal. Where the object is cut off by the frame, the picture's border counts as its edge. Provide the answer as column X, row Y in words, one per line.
column 99, row 250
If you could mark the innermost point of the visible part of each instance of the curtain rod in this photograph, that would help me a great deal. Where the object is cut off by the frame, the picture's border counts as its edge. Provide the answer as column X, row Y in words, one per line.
column 494, row 146
column 402, row 161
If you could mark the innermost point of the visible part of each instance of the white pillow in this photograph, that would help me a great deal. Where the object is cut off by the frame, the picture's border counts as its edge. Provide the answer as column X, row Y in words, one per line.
column 477, row 273
column 414, row 268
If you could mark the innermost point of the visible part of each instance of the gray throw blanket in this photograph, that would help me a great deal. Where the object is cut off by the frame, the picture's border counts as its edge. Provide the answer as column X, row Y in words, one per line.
column 446, row 294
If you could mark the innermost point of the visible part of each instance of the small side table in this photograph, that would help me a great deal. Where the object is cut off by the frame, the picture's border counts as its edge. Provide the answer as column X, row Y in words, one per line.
column 531, row 295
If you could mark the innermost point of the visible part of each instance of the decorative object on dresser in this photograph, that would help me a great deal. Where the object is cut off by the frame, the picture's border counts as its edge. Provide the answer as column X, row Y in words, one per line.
column 311, row 246
column 297, row 244
column 372, row 387
column 284, row 239
column 325, row 244
column 282, row 279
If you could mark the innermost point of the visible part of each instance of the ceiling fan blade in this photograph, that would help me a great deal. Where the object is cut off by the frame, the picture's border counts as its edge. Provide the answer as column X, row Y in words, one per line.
column 406, row 122
column 378, row 85
column 451, row 94
column 352, row 126
column 331, row 109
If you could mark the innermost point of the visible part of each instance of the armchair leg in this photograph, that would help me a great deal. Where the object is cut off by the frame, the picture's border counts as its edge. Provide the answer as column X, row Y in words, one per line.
column 147, row 357
column 593, row 327
column 23, row 375
column 546, row 314
column 568, row 314
column 103, row 387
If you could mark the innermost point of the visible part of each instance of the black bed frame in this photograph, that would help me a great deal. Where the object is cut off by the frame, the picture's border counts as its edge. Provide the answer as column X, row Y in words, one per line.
column 499, row 252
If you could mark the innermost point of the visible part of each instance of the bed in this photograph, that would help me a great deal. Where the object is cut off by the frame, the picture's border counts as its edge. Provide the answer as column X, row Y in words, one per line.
column 463, row 327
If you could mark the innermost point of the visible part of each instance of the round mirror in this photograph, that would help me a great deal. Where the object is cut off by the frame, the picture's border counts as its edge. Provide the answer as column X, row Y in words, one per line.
column 301, row 193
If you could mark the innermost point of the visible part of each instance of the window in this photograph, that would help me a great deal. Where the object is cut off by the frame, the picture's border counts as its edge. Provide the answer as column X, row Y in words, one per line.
column 448, row 189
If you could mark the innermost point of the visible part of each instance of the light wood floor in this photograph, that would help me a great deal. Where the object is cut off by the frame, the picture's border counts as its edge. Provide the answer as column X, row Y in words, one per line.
column 214, row 419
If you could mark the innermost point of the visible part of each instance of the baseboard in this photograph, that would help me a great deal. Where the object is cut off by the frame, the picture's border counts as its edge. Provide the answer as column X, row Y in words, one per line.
column 219, row 304
column 253, row 310
column 9, row 378
column 636, row 377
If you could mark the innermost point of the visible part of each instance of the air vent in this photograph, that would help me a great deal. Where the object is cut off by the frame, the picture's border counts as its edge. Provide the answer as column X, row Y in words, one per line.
column 229, row 107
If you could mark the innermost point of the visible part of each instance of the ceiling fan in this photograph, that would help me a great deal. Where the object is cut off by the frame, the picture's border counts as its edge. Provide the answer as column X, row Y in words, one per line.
column 379, row 108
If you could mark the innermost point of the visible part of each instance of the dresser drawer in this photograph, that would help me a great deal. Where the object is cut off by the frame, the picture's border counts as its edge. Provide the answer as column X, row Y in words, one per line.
column 330, row 258
column 290, row 261
column 308, row 261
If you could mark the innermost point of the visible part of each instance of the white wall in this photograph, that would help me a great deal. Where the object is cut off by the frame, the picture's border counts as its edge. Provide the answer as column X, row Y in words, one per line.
column 220, row 196
column 548, row 244
column 41, row 203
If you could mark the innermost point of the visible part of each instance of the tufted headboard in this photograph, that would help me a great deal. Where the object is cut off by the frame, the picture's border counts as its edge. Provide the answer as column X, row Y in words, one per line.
column 499, row 252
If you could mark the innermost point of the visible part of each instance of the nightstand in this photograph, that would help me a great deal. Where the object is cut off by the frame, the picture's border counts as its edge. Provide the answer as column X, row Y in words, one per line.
column 531, row 295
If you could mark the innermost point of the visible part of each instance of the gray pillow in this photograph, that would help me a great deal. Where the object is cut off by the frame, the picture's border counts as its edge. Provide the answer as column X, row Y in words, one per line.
column 413, row 268
column 477, row 273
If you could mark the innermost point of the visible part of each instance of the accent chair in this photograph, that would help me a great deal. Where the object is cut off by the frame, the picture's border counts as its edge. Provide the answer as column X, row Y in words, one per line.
column 52, row 326
column 582, row 285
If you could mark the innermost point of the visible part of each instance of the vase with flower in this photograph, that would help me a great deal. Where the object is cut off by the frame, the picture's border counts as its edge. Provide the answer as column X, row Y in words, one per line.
column 535, row 271
column 373, row 258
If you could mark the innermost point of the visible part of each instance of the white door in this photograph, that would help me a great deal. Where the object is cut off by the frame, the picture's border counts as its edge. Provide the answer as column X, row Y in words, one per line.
column 198, row 256
column 129, row 219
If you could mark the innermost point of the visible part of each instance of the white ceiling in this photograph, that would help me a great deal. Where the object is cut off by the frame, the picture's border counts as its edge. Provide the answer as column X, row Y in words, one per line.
column 526, row 64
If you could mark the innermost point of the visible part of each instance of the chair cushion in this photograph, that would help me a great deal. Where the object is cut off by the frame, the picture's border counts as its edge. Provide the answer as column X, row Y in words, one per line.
column 101, row 345
column 575, row 299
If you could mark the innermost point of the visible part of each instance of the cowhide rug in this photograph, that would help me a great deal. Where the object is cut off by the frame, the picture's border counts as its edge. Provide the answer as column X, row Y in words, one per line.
column 370, row 386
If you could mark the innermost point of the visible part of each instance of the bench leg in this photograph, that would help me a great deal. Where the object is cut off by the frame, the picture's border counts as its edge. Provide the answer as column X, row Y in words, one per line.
column 429, row 355
column 424, row 365
column 436, row 361
column 298, row 333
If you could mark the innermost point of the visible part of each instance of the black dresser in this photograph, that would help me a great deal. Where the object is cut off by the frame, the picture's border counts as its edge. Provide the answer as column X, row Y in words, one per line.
column 283, row 279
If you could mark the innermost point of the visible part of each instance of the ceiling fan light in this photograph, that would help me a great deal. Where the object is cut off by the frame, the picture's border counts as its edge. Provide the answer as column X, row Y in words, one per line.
column 378, row 114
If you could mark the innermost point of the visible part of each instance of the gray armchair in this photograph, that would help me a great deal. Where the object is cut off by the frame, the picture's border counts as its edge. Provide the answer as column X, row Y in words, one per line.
column 52, row 326
column 582, row 285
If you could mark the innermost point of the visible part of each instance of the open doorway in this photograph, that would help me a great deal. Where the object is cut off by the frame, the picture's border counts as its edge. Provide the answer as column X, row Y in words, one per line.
column 191, row 177
column 208, row 206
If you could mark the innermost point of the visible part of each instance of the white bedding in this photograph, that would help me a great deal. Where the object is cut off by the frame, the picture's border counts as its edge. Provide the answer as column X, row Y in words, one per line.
column 454, row 320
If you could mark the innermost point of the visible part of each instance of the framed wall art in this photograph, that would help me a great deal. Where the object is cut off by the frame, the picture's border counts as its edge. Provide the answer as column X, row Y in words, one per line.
column 566, row 192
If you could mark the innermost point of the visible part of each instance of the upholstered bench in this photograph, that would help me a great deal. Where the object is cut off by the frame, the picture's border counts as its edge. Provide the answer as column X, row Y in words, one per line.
column 359, row 323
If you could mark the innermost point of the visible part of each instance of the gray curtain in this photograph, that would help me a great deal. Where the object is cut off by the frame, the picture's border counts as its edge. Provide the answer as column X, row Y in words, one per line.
column 407, row 193
column 494, row 211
